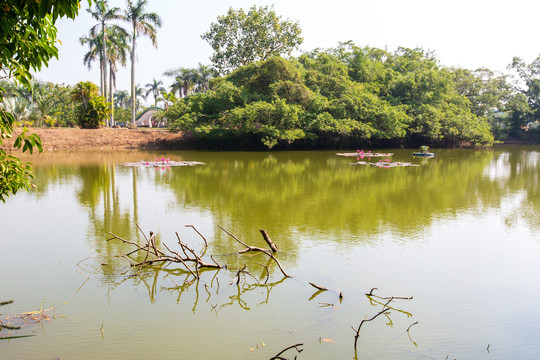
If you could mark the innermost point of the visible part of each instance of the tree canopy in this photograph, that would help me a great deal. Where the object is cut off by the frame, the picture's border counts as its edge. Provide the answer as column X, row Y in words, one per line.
column 27, row 42
column 239, row 38
column 337, row 97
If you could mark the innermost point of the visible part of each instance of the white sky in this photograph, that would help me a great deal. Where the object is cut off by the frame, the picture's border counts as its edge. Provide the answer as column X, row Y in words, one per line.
column 466, row 33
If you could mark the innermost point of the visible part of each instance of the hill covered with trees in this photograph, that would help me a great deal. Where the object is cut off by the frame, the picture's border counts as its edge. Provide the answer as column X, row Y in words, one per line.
column 344, row 96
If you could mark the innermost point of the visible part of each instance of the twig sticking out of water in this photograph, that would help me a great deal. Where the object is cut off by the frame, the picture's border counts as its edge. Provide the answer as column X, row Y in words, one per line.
column 322, row 288
column 409, row 334
column 386, row 309
column 357, row 331
column 154, row 255
column 201, row 235
column 410, row 326
column 249, row 248
column 278, row 355
column 270, row 243
column 391, row 298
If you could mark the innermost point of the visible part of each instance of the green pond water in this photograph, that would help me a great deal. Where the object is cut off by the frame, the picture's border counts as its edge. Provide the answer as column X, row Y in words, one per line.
column 460, row 234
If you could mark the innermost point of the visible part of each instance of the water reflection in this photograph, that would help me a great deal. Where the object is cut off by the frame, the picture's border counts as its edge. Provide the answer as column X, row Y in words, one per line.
column 434, row 232
column 282, row 192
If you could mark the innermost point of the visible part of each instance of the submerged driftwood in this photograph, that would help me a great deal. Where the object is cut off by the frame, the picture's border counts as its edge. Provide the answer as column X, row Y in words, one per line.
column 164, row 163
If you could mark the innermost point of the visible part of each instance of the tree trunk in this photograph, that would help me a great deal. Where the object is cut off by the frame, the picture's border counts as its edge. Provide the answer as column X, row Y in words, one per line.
column 133, row 99
column 104, row 55
column 111, row 96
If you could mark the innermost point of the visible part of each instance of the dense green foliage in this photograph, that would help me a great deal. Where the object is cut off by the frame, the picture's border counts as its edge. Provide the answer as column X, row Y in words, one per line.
column 39, row 104
column 92, row 109
column 240, row 38
column 342, row 96
column 27, row 42
column 190, row 80
column 526, row 106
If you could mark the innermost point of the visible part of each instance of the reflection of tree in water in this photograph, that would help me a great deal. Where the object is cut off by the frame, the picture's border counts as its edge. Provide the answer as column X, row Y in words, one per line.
column 99, row 193
column 297, row 192
column 518, row 173
column 285, row 191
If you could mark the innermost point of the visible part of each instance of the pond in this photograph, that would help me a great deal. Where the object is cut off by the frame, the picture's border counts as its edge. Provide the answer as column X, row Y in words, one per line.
column 460, row 234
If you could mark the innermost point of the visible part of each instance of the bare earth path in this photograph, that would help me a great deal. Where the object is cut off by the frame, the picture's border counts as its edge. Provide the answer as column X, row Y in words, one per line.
column 105, row 138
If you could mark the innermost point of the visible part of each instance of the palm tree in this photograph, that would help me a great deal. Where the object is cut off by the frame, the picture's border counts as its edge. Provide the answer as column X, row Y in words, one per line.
column 142, row 23
column 23, row 110
column 121, row 98
column 184, row 81
column 188, row 80
column 205, row 74
column 155, row 88
column 103, row 14
column 178, row 86
column 117, row 43
column 139, row 93
column 94, row 49
column 118, row 51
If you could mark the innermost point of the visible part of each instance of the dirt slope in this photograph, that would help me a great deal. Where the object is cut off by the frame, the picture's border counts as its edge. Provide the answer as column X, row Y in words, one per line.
column 106, row 138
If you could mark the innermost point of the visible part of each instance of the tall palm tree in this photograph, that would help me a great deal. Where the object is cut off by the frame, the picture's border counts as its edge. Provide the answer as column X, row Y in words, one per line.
column 154, row 88
column 94, row 49
column 117, row 43
column 118, row 53
column 142, row 23
column 103, row 14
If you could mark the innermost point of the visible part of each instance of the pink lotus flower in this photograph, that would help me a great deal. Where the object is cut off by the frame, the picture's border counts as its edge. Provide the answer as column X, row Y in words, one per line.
column 147, row 163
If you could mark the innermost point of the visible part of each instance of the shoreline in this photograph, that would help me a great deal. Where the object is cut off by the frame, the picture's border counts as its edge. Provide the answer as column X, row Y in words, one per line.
column 59, row 139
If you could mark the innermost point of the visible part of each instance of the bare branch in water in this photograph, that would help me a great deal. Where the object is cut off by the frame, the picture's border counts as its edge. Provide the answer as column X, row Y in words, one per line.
column 278, row 355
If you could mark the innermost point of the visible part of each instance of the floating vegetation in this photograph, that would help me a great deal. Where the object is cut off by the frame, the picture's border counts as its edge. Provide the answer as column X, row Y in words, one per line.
column 361, row 154
column 385, row 164
column 21, row 321
column 163, row 162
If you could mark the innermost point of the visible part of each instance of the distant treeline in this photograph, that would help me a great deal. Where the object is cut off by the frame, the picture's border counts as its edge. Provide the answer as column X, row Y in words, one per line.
column 353, row 96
